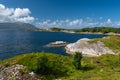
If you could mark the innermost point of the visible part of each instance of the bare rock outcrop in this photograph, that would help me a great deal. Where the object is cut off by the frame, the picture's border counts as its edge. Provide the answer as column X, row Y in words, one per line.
column 88, row 49
column 16, row 72
column 56, row 44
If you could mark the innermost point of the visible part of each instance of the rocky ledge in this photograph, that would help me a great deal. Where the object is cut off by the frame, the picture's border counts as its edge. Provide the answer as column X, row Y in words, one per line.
column 88, row 49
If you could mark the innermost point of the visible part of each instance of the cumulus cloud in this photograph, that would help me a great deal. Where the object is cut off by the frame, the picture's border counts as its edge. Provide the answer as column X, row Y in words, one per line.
column 15, row 14
column 2, row 6
column 21, row 12
column 77, row 23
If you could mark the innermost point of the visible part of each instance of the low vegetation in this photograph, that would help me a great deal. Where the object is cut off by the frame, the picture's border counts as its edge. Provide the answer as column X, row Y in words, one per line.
column 45, row 64
column 77, row 57
column 56, row 29
column 105, row 67
column 102, row 30
column 52, row 66
column 111, row 41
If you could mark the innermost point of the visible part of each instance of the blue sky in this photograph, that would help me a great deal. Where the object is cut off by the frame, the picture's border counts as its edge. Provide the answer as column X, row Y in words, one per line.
column 62, row 13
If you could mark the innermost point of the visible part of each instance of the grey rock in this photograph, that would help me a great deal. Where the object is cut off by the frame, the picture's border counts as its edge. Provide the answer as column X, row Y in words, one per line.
column 13, row 73
column 88, row 49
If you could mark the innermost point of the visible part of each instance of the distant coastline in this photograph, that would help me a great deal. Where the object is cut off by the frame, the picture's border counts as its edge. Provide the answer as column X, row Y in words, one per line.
column 102, row 30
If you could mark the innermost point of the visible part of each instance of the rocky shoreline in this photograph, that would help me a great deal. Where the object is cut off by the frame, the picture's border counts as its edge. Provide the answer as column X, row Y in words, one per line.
column 73, row 32
column 109, row 34
column 57, row 44
column 88, row 49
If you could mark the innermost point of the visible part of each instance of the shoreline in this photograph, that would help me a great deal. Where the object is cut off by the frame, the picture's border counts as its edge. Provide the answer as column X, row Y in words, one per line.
column 95, row 48
column 97, row 33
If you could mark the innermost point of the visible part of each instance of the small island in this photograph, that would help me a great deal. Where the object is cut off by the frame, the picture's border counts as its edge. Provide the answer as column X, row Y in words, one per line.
column 57, row 44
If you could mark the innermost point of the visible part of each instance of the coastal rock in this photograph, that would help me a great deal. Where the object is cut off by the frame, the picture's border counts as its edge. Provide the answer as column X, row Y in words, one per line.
column 15, row 73
column 57, row 44
column 88, row 49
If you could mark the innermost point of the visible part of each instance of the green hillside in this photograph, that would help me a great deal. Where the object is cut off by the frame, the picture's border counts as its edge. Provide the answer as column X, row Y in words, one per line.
column 105, row 67
column 99, row 29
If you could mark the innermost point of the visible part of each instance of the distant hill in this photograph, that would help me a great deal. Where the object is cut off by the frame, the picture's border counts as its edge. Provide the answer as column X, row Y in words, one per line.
column 17, row 26
column 99, row 29
column 56, row 29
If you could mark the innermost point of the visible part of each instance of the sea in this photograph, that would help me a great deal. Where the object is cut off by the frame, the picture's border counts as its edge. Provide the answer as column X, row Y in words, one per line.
column 17, row 42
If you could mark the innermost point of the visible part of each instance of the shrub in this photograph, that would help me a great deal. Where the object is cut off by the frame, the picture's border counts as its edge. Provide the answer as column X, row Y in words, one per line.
column 51, row 66
column 77, row 60
column 47, row 64
column 42, row 64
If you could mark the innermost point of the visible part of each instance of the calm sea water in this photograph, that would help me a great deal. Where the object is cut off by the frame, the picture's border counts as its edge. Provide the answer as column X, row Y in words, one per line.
column 13, row 42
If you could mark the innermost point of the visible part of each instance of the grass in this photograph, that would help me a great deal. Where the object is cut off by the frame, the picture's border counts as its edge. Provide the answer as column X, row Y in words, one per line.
column 105, row 67
column 113, row 42
column 45, row 64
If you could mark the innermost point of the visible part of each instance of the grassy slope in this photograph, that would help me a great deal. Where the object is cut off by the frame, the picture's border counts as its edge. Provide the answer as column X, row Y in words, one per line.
column 113, row 42
column 58, row 65
column 105, row 67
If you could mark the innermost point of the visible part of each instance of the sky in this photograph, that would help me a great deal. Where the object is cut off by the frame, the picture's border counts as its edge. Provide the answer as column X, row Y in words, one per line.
column 72, row 14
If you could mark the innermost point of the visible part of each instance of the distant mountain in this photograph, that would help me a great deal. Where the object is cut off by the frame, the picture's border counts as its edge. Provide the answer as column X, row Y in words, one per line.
column 17, row 26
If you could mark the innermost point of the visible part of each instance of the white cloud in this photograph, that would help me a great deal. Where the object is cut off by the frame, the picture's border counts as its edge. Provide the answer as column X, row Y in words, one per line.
column 61, row 23
column 77, row 23
column 2, row 6
column 21, row 12
column 109, row 21
column 15, row 14
column 25, row 19
column 5, row 11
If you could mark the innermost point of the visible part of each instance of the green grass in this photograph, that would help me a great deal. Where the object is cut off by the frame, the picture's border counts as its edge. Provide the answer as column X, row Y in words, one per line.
column 113, row 42
column 105, row 67
column 45, row 64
